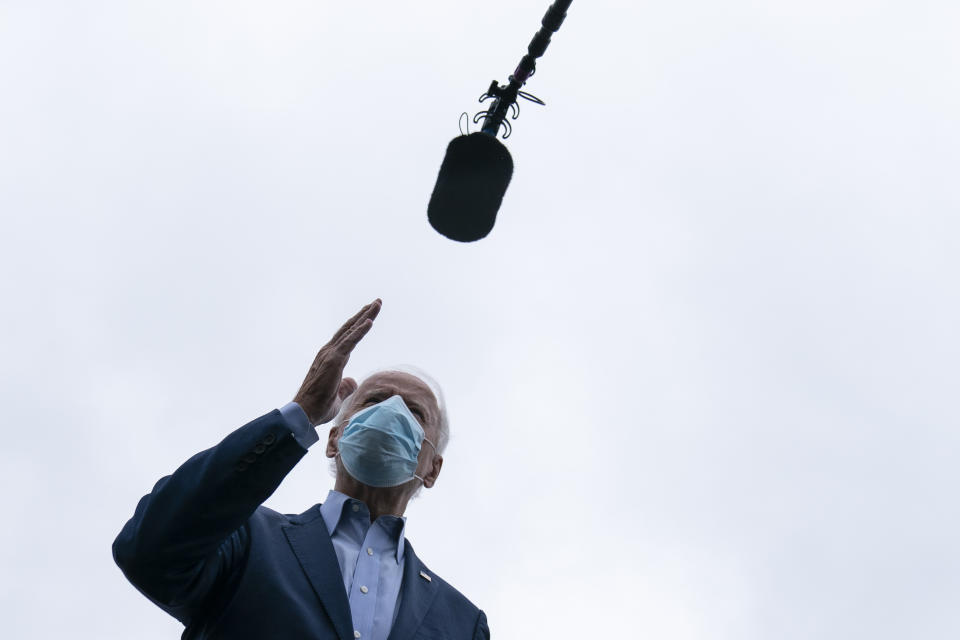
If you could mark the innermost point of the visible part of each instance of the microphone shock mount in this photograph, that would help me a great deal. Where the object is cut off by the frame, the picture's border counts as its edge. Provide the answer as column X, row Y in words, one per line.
column 505, row 96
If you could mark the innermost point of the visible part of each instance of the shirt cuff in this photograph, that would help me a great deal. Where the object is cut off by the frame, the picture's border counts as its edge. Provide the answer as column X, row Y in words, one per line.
column 303, row 431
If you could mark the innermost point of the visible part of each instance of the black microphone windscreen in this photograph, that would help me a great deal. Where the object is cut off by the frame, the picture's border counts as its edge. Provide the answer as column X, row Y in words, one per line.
column 473, row 178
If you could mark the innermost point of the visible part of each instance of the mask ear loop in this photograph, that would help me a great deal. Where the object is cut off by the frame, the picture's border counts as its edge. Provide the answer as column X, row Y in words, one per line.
column 427, row 440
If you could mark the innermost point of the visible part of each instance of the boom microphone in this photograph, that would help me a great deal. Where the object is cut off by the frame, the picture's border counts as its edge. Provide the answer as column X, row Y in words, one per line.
column 477, row 167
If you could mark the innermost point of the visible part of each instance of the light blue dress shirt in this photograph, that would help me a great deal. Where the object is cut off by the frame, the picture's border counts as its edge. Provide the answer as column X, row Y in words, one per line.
column 370, row 554
column 303, row 431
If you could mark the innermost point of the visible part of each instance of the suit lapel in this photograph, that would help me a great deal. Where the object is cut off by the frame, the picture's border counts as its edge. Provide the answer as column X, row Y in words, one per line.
column 314, row 550
column 416, row 595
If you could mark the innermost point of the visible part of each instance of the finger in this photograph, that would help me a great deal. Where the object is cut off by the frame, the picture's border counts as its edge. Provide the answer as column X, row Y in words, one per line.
column 347, row 387
column 368, row 311
column 350, row 340
column 367, row 316
column 349, row 323
column 374, row 309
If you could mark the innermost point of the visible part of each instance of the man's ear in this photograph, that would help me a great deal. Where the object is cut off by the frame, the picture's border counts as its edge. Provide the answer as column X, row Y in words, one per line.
column 332, row 440
column 431, row 476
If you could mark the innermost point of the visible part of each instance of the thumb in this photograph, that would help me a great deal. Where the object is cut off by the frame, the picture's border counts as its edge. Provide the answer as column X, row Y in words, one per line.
column 347, row 386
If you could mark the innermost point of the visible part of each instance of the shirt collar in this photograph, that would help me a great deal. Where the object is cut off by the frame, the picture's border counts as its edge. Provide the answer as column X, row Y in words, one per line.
column 336, row 505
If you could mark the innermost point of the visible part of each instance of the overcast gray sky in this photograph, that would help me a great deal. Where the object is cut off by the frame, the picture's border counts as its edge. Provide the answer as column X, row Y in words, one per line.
column 702, row 375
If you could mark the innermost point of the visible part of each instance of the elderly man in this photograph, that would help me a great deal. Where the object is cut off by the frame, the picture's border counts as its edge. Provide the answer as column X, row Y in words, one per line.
column 202, row 548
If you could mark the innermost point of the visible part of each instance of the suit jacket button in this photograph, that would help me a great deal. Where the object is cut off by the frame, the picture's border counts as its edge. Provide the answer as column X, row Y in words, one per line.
column 260, row 448
column 240, row 467
column 269, row 439
column 250, row 458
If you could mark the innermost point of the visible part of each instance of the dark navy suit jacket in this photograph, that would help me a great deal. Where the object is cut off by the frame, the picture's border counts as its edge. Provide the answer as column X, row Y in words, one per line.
column 202, row 548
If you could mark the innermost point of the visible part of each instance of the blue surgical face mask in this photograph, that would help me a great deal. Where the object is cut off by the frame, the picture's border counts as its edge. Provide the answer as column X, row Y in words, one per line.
column 381, row 444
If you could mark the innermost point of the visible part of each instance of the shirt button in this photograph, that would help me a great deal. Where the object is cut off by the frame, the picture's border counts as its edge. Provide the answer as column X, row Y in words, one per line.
column 356, row 634
column 369, row 551
column 356, row 508
column 364, row 589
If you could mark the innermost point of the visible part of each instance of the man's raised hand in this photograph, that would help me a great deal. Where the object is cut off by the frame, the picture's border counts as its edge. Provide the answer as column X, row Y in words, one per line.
column 324, row 388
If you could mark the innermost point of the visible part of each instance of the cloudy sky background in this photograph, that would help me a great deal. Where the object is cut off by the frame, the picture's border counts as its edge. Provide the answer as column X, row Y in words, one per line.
column 702, row 375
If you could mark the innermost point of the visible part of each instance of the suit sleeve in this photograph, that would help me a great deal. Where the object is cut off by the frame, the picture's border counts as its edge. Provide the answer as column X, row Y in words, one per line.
column 481, row 631
column 188, row 538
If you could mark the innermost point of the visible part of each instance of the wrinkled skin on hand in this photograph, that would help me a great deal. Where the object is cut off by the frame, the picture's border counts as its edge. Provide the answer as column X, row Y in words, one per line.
column 324, row 386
